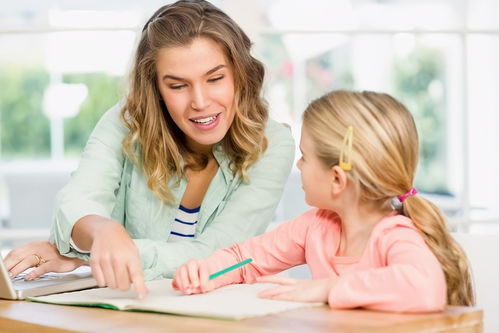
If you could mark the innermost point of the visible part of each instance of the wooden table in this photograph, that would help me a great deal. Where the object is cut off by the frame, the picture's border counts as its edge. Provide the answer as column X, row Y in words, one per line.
column 20, row 316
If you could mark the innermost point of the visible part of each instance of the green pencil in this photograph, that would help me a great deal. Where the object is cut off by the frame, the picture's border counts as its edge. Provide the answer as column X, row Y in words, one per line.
column 230, row 268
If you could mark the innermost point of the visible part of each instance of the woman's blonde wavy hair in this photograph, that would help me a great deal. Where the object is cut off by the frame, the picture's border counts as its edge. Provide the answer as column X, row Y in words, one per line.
column 154, row 141
column 384, row 158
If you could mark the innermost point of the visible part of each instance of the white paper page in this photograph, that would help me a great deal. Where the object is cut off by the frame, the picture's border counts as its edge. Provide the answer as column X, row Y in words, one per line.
column 90, row 296
column 230, row 302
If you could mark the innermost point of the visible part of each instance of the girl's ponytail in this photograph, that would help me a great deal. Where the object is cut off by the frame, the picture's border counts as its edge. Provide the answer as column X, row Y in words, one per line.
column 430, row 220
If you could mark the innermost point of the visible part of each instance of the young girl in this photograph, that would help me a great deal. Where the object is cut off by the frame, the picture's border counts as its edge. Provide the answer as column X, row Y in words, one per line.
column 365, row 249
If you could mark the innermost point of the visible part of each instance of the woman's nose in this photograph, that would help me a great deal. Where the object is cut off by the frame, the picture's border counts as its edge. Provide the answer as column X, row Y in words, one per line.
column 200, row 98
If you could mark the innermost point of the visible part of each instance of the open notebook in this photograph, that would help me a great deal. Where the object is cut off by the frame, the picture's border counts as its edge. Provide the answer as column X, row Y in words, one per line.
column 229, row 302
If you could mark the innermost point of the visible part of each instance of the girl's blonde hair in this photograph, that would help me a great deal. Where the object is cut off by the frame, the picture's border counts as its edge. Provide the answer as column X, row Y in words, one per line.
column 154, row 141
column 384, row 158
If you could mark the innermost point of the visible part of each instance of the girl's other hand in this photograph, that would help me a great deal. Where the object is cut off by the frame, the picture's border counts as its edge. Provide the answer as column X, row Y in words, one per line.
column 296, row 290
column 42, row 255
column 192, row 278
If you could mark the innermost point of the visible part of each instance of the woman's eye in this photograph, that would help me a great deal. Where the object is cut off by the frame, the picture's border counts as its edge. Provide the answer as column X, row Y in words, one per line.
column 217, row 78
column 177, row 86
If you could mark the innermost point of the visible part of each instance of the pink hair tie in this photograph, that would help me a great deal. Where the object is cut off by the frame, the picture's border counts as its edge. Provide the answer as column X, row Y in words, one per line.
column 408, row 194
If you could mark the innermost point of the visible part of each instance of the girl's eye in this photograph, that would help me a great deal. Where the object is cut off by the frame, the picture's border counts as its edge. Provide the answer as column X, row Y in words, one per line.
column 217, row 78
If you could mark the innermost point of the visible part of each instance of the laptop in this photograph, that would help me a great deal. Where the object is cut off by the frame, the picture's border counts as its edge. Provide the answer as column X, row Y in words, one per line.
column 46, row 284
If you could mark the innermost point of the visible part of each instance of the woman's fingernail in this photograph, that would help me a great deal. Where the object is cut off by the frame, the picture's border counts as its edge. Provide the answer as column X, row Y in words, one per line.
column 10, row 274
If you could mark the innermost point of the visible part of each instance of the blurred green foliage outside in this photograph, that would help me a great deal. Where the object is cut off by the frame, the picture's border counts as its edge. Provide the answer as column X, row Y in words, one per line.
column 25, row 129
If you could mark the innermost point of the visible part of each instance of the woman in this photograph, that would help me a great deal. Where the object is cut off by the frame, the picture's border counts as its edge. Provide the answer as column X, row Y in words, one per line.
column 187, row 164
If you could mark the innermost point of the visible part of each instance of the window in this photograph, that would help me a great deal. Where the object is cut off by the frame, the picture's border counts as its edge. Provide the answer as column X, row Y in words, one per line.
column 62, row 65
column 437, row 56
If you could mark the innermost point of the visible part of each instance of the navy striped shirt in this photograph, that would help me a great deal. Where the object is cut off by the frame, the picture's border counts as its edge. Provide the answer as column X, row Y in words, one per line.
column 184, row 225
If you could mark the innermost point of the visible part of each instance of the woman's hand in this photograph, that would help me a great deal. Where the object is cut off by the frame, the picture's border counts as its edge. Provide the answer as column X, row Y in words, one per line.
column 42, row 255
column 192, row 278
column 115, row 259
column 297, row 290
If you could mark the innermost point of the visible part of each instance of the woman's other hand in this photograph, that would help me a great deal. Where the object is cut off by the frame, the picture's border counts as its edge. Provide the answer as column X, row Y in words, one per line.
column 42, row 255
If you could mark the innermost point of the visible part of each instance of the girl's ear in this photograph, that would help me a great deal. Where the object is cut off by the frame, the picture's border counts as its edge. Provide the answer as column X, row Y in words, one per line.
column 338, row 180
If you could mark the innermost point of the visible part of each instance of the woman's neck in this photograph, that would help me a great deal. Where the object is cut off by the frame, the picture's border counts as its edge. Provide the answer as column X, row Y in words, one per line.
column 199, row 148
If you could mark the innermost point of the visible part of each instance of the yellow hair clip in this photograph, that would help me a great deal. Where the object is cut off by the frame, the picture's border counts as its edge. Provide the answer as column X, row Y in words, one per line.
column 346, row 164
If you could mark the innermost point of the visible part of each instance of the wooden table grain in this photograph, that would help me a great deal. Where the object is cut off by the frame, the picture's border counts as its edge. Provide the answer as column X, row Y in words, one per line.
column 21, row 316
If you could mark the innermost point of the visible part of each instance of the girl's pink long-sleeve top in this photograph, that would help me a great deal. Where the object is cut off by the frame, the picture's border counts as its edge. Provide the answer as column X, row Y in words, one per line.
column 397, row 271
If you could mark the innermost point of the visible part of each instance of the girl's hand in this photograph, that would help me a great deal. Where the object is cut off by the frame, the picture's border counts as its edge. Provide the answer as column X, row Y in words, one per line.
column 192, row 278
column 42, row 255
column 115, row 259
column 297, row 290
